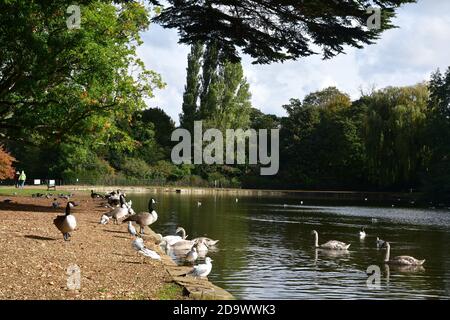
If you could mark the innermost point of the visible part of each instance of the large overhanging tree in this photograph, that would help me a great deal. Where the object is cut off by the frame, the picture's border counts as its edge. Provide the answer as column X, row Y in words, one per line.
column 277, row 30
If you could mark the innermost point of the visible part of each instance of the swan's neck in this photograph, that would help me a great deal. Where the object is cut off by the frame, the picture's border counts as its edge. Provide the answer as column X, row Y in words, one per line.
column 316, row 239
column 388, row 253
column 183, row 233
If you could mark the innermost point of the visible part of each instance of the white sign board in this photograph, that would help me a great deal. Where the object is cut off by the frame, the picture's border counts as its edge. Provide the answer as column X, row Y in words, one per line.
column 37, row 181
column 51, row 182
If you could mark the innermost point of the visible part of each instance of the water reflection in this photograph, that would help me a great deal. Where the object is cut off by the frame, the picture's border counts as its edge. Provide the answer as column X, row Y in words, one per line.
column 266, row 248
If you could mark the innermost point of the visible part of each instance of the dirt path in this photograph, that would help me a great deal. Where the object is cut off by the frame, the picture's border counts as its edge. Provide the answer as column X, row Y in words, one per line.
column 34, row 258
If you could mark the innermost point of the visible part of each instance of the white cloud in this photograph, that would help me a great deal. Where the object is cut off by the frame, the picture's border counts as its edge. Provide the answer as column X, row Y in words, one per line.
column 403, row 56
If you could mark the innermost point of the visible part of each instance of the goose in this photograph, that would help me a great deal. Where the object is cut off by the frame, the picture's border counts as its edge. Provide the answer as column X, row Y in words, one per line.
column 202, row 270
column 170, row 240
column 138, row 245
column 132, row 229
column 95, row 195
column 330, row 245
column 55, row 203
column 401, row 260
column 7, row 201
column 209, row 242
column 192, row 255
column 362, row 233
column 121, row 212
column 66, row 223
column 380, row 243
column 144, row 218
column 104, row 219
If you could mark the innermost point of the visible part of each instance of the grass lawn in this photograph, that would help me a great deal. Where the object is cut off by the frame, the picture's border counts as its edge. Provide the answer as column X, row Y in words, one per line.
column 11, row 191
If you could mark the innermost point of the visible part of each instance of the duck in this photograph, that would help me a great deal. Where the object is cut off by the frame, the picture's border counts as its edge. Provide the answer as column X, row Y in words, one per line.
column 362, row 233
column 66, row 223
column 144, row 219
column 192, row 255
column 380, row 243
column 401, row 260
column 209, row 242
column 330, row 245
column 138, row 245
column 202, row 270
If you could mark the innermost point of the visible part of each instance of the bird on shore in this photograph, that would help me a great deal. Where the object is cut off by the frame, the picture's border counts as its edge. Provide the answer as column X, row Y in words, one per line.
column 192, row 255
column 144, row 219
column 401, row 260
column 202, row 248
column 66, row 223
column 55, row 203
column 362, row 233
column 330, row 245
column 95, row 195
column 104, row 219
column 170, row 240
column 7, row 201
column 138, row 245
column 202, row 270
column 132, row 229
column 119, row 213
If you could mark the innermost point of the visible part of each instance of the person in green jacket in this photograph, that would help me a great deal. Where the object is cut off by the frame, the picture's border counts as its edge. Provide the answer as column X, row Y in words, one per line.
column 22, row 179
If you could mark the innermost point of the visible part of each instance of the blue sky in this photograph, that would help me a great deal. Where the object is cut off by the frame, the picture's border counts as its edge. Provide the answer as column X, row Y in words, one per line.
column 403, row 56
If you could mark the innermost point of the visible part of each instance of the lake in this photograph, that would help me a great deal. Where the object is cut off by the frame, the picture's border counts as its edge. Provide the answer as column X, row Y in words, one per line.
column 266, row 247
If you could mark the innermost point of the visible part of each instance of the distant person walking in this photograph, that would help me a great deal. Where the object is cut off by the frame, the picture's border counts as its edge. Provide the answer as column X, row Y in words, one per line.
column 16, row 179
column 22, row 179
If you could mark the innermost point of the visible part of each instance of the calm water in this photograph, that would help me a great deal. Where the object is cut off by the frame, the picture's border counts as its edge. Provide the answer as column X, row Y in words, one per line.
column 265, row 249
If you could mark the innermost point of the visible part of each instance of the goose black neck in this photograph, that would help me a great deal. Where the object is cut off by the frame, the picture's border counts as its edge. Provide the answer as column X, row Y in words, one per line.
column 68, row 209
column 150, row 205
column 122, row 201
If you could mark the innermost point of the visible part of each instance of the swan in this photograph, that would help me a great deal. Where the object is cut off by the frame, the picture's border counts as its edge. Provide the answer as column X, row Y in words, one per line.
column 209, row 242
column 330, row 245
column 362, row 234
column 401, row 260
column 202, row 270
column 138, row 245
column 66, row 223
column 380, row 243
column 144, row 218
column 182, row 245
column 170, row 240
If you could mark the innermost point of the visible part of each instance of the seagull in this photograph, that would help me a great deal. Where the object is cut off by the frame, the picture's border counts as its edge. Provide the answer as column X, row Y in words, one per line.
column 202, row 270
column 131, row 229
column 199, row 203
column 138, row 245
column 104, row 219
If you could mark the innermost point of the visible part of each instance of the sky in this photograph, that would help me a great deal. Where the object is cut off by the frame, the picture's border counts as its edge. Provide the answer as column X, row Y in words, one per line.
column 403, row 56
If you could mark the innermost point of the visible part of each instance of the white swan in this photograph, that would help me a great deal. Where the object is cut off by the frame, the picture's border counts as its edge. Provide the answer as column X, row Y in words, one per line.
column 362, row 234
column 209, row 242
column 202, row 270
column 401, row 260
column 330, row 245
column 170, row 240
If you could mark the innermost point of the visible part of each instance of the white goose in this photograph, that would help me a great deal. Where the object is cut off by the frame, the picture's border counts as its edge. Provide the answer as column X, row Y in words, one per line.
column 330, row 245
column 401, row 260
column 202, row 270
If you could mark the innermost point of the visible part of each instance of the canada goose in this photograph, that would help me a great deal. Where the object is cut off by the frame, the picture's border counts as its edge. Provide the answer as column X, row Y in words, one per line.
column 132, row 229
column 104, row 219
column 7, row 201
column 209, row 242
column 202, row 270
column 330, row 245
column 138, row 245
column 145, row 218
column 380, row 243
column 192, row 255
column 95, row 195
column 401, row 260
column 118, row 214
column 362, row 233
column 66, row 223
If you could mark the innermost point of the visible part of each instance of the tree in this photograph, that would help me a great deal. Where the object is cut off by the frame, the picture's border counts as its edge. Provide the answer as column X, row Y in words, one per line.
column 271, row 31
column 6, row 164
column 209, row 75
column 437, row 177
column 192, row 88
